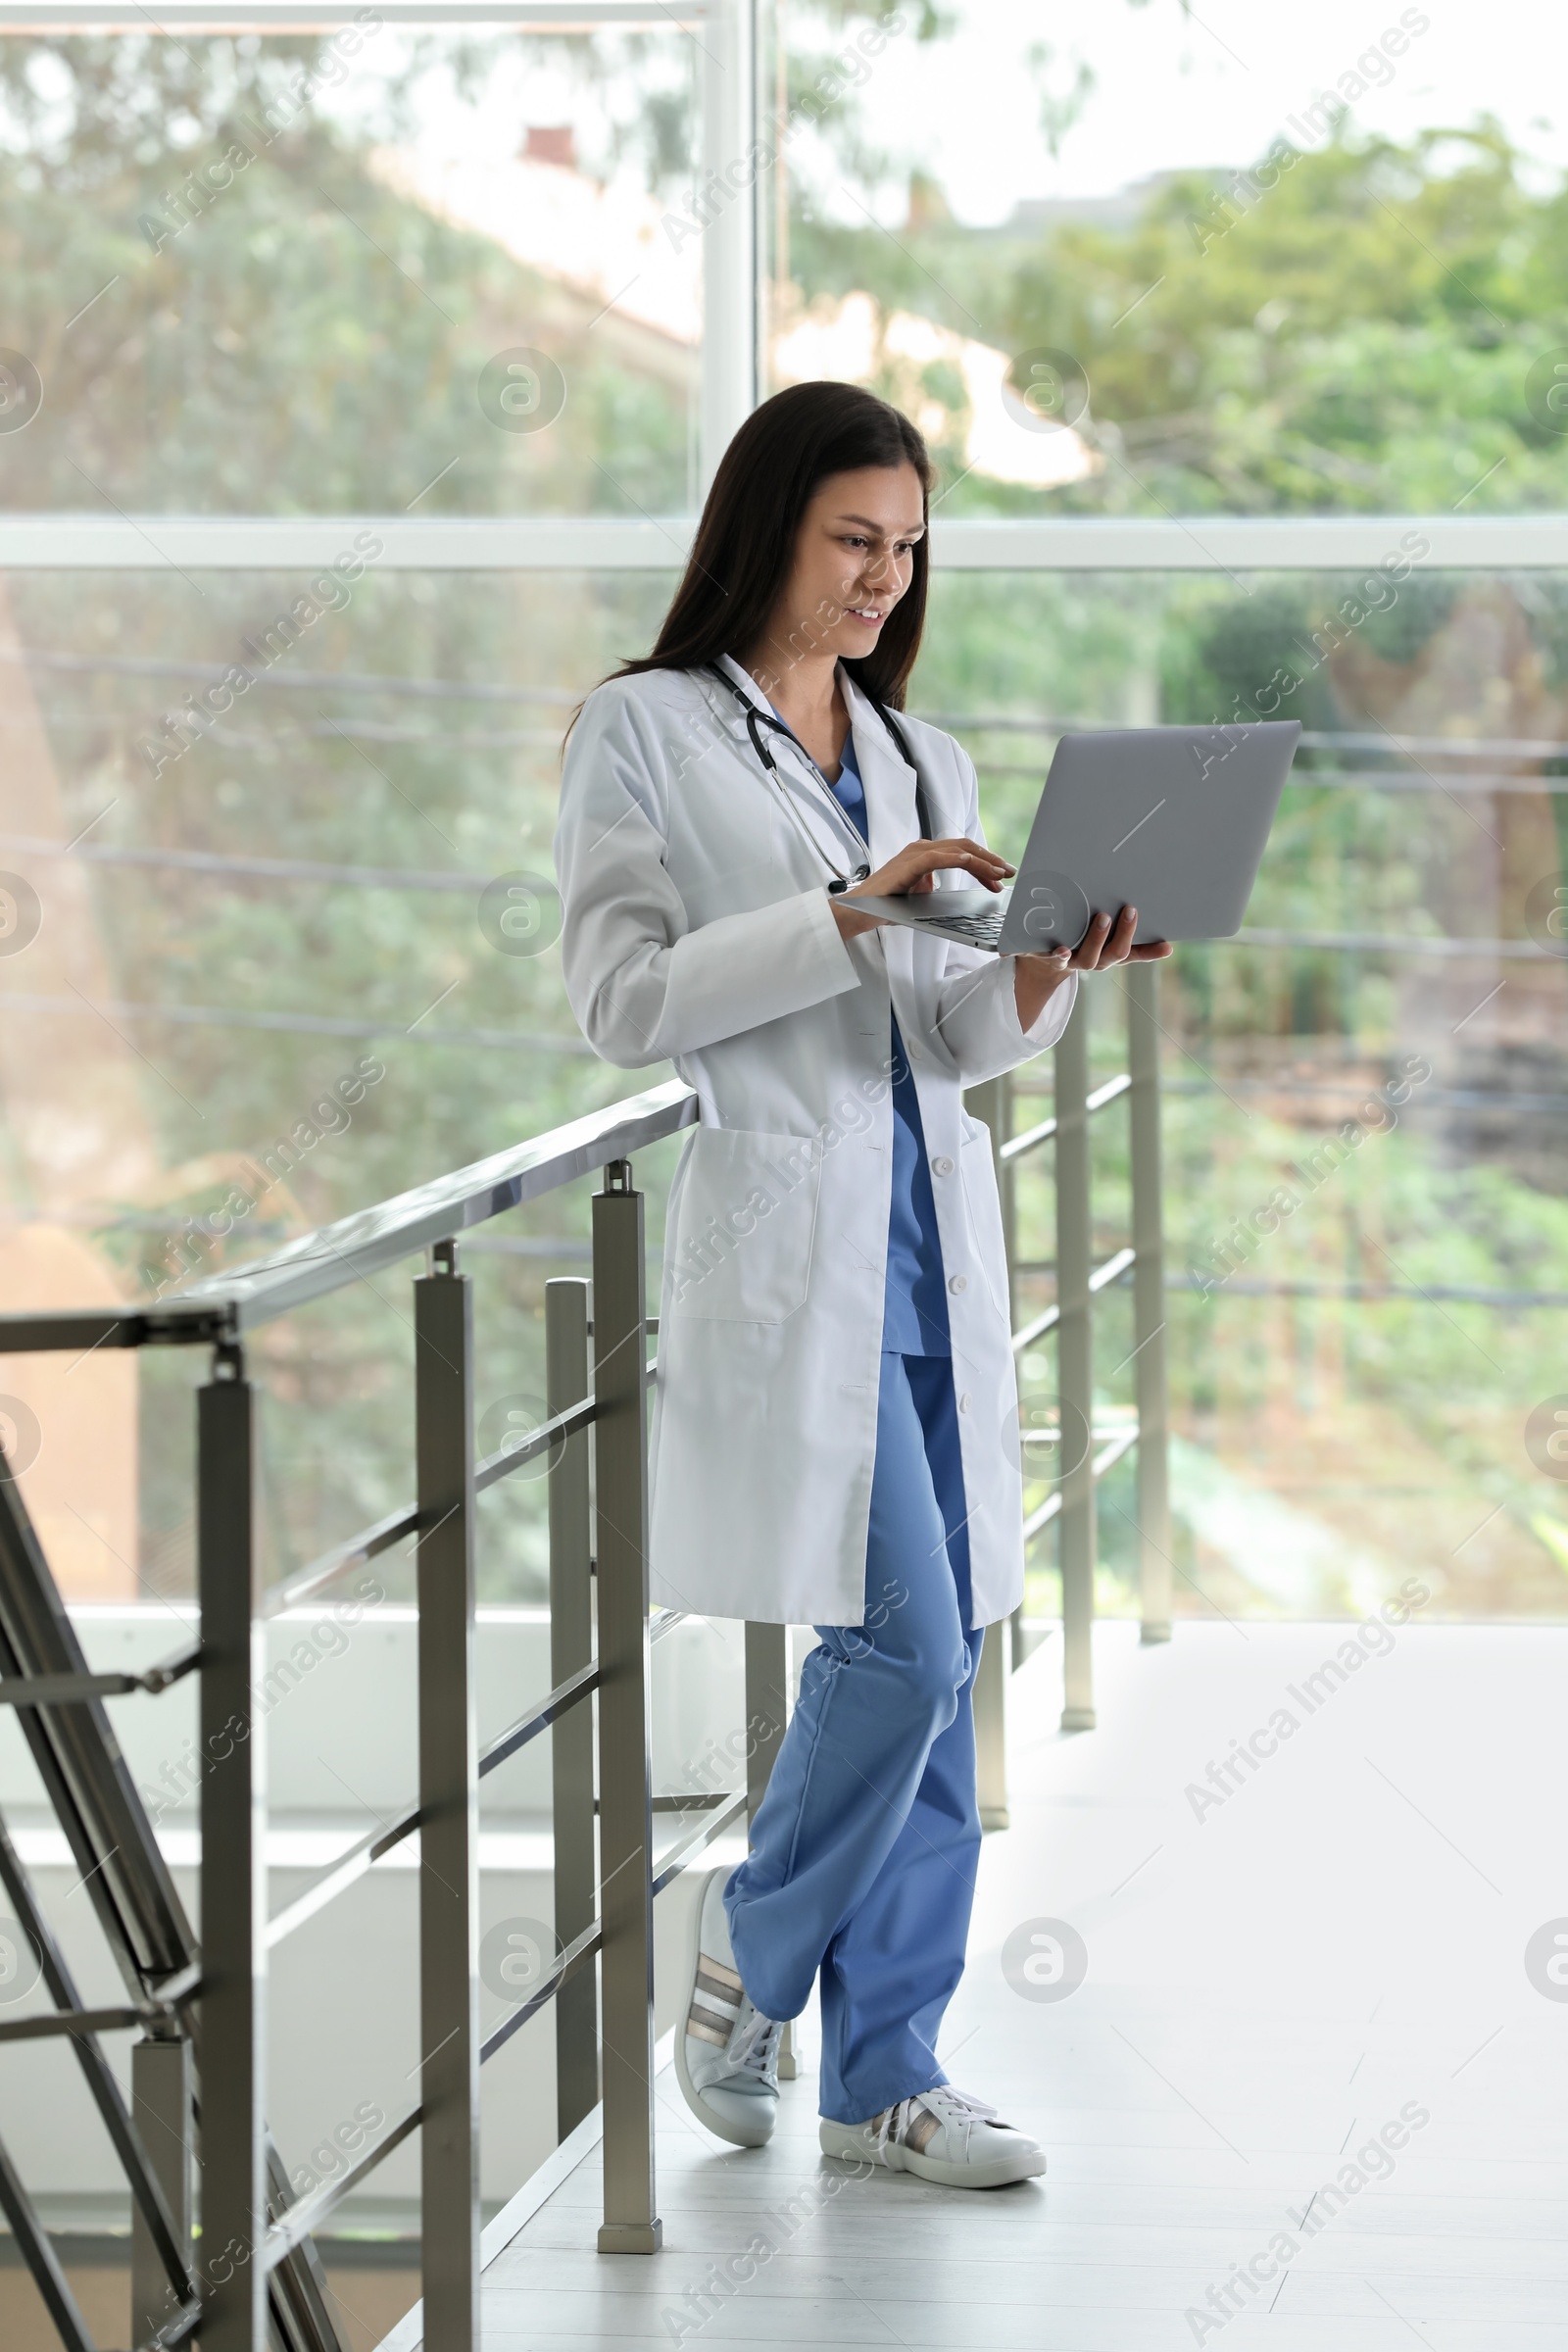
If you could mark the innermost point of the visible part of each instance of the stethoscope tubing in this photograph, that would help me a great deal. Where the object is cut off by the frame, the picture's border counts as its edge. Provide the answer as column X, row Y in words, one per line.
column 756, row 719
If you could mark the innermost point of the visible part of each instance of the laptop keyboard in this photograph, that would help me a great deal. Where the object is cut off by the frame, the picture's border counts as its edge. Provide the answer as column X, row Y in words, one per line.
column 984, row 930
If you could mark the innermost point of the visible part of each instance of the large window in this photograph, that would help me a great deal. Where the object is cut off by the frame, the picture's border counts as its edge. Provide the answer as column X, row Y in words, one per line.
column 1365, row 1093
column 1138, row 257
column 369, row 270
column 357, row 390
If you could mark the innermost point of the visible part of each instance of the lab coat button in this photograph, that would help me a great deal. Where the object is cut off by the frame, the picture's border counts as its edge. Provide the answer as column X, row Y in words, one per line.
column 958, row 1282
column 942, row 1164
column 964, row 1402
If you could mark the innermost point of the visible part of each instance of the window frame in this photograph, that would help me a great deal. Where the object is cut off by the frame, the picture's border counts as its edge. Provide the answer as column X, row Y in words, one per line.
column 731, row 69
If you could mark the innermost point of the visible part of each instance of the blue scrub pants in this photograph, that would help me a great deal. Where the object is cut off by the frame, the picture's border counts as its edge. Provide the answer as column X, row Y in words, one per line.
column 863, row 1852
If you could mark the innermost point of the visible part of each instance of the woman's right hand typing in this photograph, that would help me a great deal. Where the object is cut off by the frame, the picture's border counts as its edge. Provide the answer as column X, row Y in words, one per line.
column 911, row 872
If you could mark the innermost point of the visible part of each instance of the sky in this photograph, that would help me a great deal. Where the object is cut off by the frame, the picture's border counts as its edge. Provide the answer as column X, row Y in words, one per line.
column 1170, row 88
column 1209, row 90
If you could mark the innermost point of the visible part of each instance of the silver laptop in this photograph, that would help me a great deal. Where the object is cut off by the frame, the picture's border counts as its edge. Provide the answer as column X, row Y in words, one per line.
column 1172, row 821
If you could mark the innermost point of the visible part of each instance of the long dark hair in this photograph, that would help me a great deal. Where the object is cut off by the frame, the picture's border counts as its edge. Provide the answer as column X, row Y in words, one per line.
column 745, row 541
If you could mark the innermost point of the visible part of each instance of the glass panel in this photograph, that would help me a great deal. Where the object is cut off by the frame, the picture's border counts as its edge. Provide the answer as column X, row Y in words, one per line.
column 301, row 955
column 1365, row 1095
column 365, row 271
column 1148, row 258
column 266, row 986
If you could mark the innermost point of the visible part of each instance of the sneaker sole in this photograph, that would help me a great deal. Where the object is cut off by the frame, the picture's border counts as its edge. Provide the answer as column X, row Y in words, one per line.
column 689, row 2090
column 1002, row 2173
column 847, row 2145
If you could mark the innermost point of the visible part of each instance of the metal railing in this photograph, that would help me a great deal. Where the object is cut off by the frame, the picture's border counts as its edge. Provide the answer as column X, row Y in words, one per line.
column 1079, row 1283
column 257, row 2264
column 258, row 2280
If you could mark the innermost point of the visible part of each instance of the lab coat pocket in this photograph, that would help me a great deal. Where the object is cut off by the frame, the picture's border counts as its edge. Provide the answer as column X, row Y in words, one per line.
column 984, row 1205
column 742, row 1225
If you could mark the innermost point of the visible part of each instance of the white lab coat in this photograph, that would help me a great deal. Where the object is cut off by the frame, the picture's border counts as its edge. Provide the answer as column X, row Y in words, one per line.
column 698, row 927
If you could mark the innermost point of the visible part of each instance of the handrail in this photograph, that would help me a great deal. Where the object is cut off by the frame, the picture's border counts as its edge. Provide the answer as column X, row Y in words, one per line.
column 302, row 2220
column 59, row 1690
column 595, row 1441
column 674, row 1861
column 563, row 1967
column 1032, row 1136
column 382, row 1533
column 1103, row 1276
column 1107, row 1459
column 316, row 1264
column 379, row 1537
column 320, row 1262
column 50, row 2022
column 379, row 1842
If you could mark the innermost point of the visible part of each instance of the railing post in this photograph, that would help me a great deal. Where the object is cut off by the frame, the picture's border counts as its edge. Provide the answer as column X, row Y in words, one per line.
column 631, row 2223
column 1075, row 1380
column 449, row 1803
column 1148, row 1301
column 992, row 1104
column 161, row 2108
column 990, row 1703
column 233, row 1867
column 572, row 1738
column 767, row 1706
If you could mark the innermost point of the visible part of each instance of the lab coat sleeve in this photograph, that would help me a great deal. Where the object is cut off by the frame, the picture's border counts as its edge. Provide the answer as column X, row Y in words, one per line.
column 643, row 985
column 977, row 1009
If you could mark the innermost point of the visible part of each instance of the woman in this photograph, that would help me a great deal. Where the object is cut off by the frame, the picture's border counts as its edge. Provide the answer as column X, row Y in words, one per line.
column 835, row 1370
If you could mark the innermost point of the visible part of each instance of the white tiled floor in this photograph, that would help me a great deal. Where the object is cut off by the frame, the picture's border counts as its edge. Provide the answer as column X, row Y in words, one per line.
column 1267, row 1986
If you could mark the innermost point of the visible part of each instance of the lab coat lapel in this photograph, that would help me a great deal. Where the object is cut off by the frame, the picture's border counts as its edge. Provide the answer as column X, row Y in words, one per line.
column 725, row 711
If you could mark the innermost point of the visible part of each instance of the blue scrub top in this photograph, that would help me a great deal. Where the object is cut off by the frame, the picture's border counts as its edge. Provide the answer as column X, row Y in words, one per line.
column 915, row 1314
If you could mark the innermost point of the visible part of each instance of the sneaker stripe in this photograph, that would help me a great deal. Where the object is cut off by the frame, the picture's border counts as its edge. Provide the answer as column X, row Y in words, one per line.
column 712, row 2013
column 729, row 1996
column 720, row 1978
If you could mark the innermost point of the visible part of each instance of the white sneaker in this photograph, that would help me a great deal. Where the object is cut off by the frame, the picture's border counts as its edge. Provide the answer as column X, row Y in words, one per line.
column 726, row 2060
column 941, row 2135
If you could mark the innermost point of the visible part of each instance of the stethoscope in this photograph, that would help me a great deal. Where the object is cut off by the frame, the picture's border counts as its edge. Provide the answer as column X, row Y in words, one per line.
column 756, row 719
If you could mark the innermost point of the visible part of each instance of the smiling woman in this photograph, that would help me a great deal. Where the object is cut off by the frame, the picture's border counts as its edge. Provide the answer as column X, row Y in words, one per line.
column 835, row 1368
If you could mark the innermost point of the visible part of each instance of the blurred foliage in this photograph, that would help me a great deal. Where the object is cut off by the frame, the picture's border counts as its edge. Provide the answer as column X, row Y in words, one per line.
column 1358, row 337
column 300, row 339
column 1355, row 336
